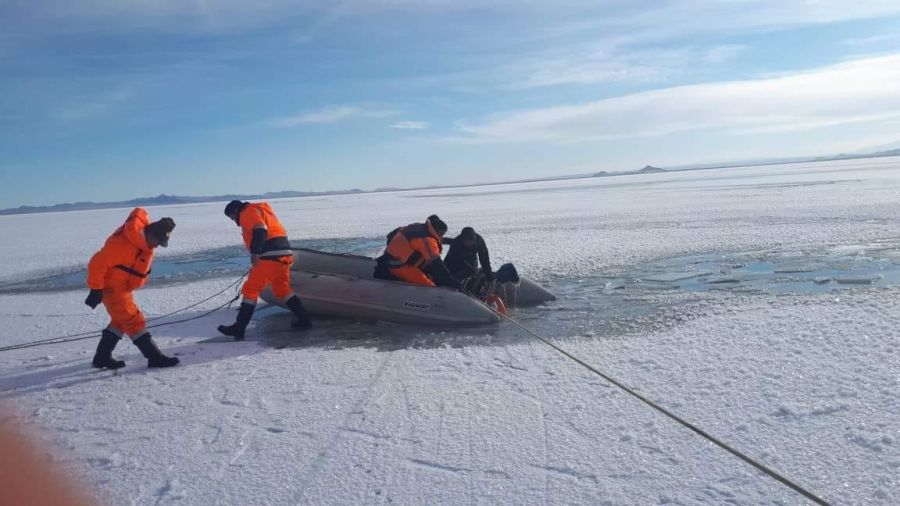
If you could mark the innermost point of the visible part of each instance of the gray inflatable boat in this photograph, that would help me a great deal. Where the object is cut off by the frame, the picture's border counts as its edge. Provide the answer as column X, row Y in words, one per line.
column 339, row 285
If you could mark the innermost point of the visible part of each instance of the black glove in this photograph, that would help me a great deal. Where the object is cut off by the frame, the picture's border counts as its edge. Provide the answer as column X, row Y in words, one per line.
column 94, row 298
column 488, row 275
column 258, row 242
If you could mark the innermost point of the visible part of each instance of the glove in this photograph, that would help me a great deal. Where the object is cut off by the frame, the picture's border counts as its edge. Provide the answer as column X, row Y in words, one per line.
column 488, row 275
column 94, row 298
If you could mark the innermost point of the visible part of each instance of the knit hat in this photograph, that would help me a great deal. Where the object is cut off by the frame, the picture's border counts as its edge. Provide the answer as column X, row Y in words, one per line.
column 161, row 230
column 439, row 226
column 233, row 208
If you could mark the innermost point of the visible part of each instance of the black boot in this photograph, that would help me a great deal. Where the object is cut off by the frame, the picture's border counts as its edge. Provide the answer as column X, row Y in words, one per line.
column 240, row 324
column 302, row 322
column 155, row 358
column 103, row 358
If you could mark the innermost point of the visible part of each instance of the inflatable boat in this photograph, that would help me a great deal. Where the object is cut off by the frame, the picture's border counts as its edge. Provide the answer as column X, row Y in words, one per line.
column 528, row 293
column 339, row 285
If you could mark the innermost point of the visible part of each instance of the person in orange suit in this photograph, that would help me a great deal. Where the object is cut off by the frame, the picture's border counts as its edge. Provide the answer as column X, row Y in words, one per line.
column 120, row 267
column 271, row 256
column 413, row 255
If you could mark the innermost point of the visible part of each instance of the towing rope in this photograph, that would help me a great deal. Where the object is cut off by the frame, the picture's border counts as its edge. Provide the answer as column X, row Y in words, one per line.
column 69, row 338
column 737, row 453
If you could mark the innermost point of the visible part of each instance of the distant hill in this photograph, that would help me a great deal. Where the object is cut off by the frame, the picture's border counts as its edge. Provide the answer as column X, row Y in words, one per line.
column 648, row 169
column 851, row 156
column 161, row 200
column 881, row 148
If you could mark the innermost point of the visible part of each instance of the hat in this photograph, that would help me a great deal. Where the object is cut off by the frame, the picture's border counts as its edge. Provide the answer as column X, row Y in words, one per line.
column 161, row 230
column 233, row 208
column 439, row 226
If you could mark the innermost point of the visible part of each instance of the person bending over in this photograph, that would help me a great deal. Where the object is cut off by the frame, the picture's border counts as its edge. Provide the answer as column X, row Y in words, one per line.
column 120, row 267
column 271, row 257
column 467, row 250
column 413, row 255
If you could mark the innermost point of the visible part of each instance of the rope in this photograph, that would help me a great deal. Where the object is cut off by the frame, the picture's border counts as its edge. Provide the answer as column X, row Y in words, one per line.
column 749, row 460
column 70, row 338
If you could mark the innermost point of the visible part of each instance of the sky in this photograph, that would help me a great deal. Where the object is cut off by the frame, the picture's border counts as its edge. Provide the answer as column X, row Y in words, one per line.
column 105, row 101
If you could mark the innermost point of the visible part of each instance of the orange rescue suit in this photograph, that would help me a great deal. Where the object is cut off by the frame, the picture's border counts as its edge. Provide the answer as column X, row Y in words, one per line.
column 254, row 216
column 275, row 254
column 411, row 249
column 120, row 267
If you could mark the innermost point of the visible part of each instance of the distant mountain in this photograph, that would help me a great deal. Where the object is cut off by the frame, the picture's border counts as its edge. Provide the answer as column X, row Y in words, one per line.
column 787, row 160
column 854, row 156
column 881, row 148
column 648, row 169
column 163, row 199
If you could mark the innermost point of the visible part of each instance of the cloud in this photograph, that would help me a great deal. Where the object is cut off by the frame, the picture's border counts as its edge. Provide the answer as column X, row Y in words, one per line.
column 644, row 41
column 563, row 16
column 165, row 15
column 93, row 107
column 874, row 39
column 591, row 66
column 606, row 63
column 720, row 54
column 637, row 42
column 330, row 115
column 857, row 91
column 693, row 16
column 410, row 125
column 232, row 16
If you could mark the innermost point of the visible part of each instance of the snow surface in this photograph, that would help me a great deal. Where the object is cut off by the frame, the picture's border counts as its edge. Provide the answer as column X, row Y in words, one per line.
column 356, row 413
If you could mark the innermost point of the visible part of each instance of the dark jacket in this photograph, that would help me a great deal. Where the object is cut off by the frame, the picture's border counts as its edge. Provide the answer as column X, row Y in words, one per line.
column 463, row 261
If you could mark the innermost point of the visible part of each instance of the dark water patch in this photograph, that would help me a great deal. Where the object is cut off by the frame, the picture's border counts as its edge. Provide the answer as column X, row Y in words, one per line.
column 231, row 261
column 638, row 300
column 643, row 299
column 775, row 273
column 166, row 270
column 582, row 310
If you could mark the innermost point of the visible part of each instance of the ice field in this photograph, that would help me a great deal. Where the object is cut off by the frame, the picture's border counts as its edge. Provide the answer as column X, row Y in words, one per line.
column 761, row 303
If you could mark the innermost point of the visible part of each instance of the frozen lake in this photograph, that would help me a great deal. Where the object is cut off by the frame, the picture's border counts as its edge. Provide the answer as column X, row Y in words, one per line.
column 759, row 303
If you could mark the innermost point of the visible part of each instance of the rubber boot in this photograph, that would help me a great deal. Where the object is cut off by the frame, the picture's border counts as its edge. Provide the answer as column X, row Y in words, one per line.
column 155, row 358
column 237, row 329
column 302, row 322
column 103, row 357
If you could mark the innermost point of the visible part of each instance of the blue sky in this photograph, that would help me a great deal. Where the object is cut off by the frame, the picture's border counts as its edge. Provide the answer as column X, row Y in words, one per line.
column 115, row 100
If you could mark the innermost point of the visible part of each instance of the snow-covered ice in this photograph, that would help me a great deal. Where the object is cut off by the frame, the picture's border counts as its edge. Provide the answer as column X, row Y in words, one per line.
column 796, row 368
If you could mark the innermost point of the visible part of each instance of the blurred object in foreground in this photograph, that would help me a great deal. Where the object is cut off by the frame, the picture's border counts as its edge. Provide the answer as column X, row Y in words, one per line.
column 29, row 478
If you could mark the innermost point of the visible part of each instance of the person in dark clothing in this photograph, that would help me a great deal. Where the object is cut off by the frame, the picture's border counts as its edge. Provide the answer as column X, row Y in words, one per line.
column 466, row 251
